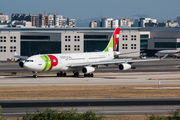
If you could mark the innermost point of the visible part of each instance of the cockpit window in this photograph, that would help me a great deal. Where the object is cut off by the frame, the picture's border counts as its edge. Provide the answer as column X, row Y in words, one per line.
column 29, row 61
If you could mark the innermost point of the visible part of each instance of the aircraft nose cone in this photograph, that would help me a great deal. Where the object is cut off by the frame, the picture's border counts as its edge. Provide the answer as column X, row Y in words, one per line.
column 156, row 54
column 28, row 65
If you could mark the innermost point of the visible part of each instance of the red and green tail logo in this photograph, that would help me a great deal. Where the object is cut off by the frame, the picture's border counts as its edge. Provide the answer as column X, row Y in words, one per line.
column 50, row 61
column 113, row 41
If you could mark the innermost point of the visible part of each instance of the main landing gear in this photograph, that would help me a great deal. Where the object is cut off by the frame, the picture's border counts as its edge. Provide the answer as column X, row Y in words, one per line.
column 61, row 74
column 76, row 74
column 89, row 75
column 35, row 74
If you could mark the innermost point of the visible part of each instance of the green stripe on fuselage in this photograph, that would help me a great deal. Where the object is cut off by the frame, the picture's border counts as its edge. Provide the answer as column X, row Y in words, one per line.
column 47, row 61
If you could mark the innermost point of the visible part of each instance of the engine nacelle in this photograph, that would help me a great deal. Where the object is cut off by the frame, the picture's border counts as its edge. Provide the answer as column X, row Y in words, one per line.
column 21, row 64
column 88, row 69
column 124, row 66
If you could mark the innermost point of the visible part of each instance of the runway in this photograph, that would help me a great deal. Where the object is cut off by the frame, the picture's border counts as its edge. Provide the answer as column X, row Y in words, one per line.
column 113, row 106
column 137, row 78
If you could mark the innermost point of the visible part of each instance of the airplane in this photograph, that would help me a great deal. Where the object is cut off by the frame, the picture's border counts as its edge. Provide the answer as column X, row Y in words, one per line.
column 76, row 62
column 168, row 52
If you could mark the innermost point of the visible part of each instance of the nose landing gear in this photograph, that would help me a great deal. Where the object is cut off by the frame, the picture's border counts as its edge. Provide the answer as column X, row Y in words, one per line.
column 35, row 74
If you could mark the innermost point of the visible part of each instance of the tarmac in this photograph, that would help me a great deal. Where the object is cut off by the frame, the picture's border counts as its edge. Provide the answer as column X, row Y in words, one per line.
column 137, row 78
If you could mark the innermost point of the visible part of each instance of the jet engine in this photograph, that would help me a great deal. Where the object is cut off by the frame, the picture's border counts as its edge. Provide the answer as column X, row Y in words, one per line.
column 21, row 64
column 88, row 69
column 124, row 66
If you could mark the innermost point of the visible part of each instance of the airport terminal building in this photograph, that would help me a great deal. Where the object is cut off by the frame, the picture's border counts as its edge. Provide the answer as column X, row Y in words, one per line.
column 31, row 41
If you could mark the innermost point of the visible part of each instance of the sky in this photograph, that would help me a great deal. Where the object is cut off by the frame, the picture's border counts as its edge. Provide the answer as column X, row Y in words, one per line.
column 85, row 9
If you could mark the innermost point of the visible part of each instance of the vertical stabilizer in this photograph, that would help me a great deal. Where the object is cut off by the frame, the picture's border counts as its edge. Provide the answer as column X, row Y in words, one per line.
column 113, row 41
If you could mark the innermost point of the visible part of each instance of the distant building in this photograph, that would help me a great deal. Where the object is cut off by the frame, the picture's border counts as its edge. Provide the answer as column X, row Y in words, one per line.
column 150, row 24
column 43, row 20
column 107, row 22
column 93, row 24
column 4, row 21
column 171, row 23
column 3, row 17
column 125, row 23
column 142, row 21
column 110, row 22
column 56, row 20
column 20, row 17
column 168, row 23
column 71, row 22
column 22, row 23
column 40, row 20
column 35, row 20
column 178, row 20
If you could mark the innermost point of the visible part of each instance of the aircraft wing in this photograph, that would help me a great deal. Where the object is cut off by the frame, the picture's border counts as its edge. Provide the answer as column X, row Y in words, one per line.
column 114, row 61
column 117, row 53
column 21, row 57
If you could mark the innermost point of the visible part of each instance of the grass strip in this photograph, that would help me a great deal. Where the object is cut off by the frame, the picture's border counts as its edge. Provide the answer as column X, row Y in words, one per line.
column 115, row 117
column 83, row 91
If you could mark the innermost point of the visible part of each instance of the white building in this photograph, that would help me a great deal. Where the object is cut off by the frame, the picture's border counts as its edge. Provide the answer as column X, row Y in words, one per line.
column 171, row 23
column 142, row 21
column 21, row 23
column 125, row 23
column 56, row 20
column 107, row 22
column 93, row 24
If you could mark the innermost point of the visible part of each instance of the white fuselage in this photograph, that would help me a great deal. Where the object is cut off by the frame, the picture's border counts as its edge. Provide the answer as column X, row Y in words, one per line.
column 169, row 52
column 62, row 62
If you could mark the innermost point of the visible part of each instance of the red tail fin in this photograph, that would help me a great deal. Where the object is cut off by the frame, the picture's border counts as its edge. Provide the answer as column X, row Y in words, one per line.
column 115, row 38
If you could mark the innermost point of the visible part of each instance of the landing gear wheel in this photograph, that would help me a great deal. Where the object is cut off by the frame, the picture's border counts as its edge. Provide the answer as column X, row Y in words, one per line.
column 61, row 74
column 85, row 75
column 64, row 74
column 34, row 76
column 88, row 75
column 58, row 74
column 92, row 75
column 76, row 74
